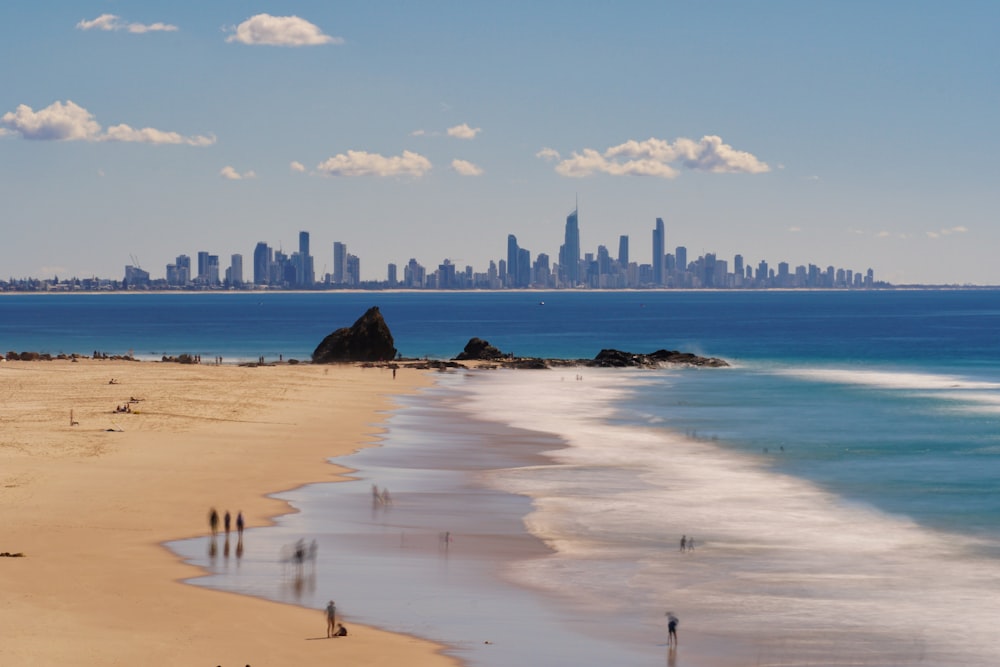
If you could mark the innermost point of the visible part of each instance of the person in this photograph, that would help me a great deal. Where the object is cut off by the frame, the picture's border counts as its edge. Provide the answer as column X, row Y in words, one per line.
column 331, row 617
column 239, row 524
column 213, row 521
column 683, row 542
column 225, row 522
column 341, row 631
column 671, row 629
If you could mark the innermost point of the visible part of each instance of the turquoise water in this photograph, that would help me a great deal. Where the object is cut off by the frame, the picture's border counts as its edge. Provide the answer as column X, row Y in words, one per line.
column 840, row 479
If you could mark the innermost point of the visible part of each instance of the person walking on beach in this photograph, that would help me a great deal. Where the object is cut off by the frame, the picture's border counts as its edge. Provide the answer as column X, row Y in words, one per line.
column 239, row 524
column 213, row 521
column 684, row 541
column 225, row 522
column 671, row 629
column 331, row 618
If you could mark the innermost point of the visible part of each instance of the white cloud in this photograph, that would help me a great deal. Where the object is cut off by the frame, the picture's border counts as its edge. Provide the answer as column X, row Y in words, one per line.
column 463, row 131
column 466, row 168
column 362, row 163
column 549, row 154
column 112, row 22
column 58, row 121
column 418, row 133
column 794, row 229
column 959, row 229
column 883, row 234
column 71, row 122
column 229, row 173
column 297, row 166
column 149, row 135
column 656, row 157
column 280, row 31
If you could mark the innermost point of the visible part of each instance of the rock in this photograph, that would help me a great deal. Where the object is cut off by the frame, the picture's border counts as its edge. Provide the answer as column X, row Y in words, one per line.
column 368, row 339
column 478, row 349
column 619, row 359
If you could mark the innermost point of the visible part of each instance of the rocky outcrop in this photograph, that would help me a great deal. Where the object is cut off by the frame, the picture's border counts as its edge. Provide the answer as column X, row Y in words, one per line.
column 368, row 339
column 619, row 359
column 478, row 349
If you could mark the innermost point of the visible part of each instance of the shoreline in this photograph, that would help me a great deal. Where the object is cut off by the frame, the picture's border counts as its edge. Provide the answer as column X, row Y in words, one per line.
column 92, row 505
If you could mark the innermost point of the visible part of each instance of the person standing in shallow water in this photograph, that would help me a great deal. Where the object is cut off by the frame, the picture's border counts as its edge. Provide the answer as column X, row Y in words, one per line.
column 213, row 521
column 239, row 524
column 225, row 522
column 671, row 629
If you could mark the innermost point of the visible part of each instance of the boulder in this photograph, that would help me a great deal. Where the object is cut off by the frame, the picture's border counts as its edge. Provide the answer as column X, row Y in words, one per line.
column 619, row 359
column 478, row 349
column 368, row 339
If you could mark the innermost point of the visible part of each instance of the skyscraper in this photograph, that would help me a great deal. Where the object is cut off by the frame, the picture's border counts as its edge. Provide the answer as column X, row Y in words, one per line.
column 236, row 270
column 339, row 261
column 304, row 275
column 623, row 251
column 659, row 237
column 569, row 252
column 261, row 264
column 513, row 274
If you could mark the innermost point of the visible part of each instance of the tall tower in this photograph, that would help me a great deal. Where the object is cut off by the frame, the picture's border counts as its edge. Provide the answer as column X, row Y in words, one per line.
column 569, row 258
column 623, row 251
column 305, row 268
column 659, row 237
column 339, row 261
column 513, row 274
column 261, row 264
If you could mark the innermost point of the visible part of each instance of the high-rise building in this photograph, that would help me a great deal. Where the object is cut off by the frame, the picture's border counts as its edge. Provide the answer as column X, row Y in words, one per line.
column 513, row 274
column 235, row 276
column 681, row 253
column 623, row 250
column 659, row 238
column 304, row 274
column 203, row 266
column 569, row 252
column 523, row 267
column 339, row 261
column 261, row 264
column 391, row 275
column 352, row 270
column 213, row 270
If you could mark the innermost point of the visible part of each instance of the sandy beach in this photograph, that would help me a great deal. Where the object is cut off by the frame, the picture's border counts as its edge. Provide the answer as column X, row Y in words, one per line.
column 90, row 503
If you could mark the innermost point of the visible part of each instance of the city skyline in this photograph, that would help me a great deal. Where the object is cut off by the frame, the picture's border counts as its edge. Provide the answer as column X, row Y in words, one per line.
column 520, row 268
column 844, row 134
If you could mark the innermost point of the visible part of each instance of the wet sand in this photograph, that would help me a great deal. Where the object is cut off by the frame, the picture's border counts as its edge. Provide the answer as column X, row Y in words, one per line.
column 90, row 504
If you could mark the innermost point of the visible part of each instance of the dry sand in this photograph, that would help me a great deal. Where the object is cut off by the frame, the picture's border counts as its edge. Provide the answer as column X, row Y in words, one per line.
column 90, row 504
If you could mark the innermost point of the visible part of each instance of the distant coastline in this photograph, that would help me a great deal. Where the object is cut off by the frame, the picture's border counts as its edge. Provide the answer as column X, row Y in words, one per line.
column 527, row 290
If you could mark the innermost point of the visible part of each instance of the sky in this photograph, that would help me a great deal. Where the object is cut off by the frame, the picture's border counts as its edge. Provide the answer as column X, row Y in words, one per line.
column 858, row 134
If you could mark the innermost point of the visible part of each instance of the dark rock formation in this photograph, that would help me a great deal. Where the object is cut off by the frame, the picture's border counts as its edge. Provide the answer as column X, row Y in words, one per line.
column 478, row 349
column 368, row 339
column 619, row 359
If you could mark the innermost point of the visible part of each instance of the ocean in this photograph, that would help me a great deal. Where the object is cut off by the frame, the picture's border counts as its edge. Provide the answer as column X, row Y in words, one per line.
column 839, row 480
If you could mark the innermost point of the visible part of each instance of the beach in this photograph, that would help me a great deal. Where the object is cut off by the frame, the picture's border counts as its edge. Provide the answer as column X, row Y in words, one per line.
column 90, row 494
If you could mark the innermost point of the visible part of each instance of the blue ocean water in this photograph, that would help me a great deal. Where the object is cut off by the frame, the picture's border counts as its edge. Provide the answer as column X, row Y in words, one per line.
column 840, row 480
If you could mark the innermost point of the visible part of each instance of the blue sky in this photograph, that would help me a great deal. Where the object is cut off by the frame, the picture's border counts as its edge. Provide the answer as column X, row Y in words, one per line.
column 855, row 134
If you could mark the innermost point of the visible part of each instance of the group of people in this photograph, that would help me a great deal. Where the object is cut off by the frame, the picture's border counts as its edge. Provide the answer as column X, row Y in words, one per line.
column 213, row 522
column 380, row 497
column 333, row 629
column 687, row 543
